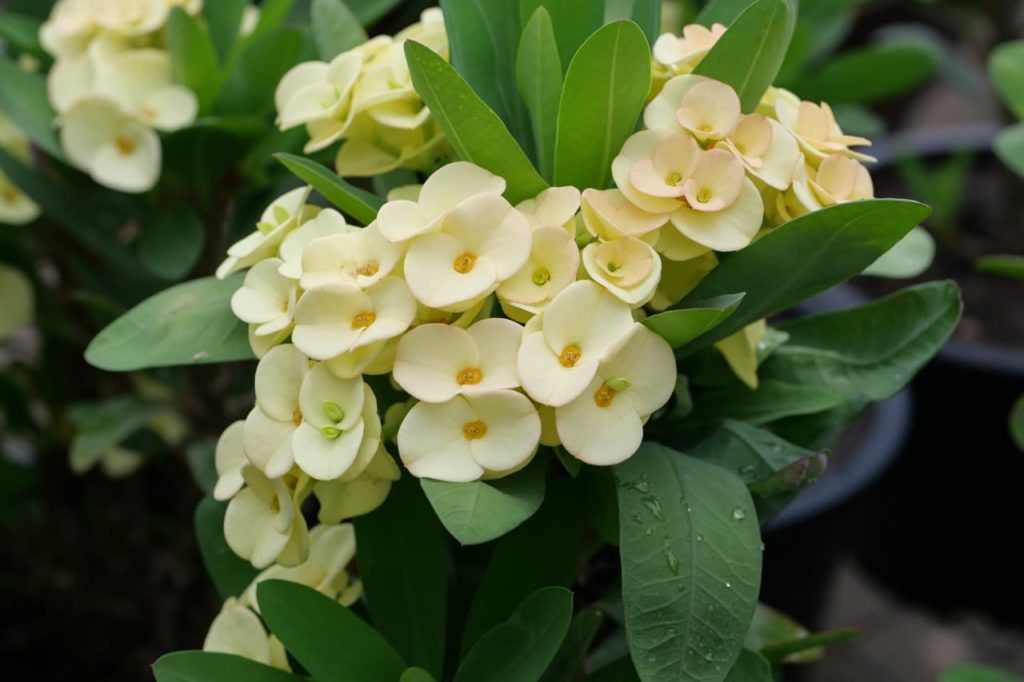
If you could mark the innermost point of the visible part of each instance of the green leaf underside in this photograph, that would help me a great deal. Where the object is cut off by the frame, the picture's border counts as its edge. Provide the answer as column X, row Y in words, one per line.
column 750, row 667
column 206, row 666
column 604, row 93
column 187, row 324
column 330, row 641
column 231, row 574
column 751, row 453
column 359, row 204
column 679, row 327
column 475, row 132
column 804, row 257
column 481, row 511
column 691, row 565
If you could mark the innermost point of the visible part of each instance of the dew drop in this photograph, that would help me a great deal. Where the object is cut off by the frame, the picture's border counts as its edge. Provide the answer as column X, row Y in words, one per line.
column 700, row 538
column 738, row 514
column 672, row 560
column 728, row 584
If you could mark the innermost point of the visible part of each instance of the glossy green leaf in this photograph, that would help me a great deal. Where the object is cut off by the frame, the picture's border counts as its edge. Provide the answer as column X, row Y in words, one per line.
column 544, row 551
column 358, row 203
column 977, row 673
column 481, row 511
column 853, row 77
column 416, row 675
column 330, row 642
column 793, row 650
column 483, row 37
column 1006, row 67
column 188, row 324
column 335, row 28
column 691, row 564
column 750, row 54
column 201, row 464
column 604, row 93
column 774, row 627
column 679, row 327
column 475, row 132
column 750, row 667
column 1009, row 146
column 408, row 605
column 569, row 658
column 773, row 400
column 231, row 574
column 909, row 258
column 621, row 670
column 273, row 14
column 370, row 11
column 539, row 74
column 521, row 648
column 1004, row 265
column 170, row 243
column 644, row 13
column 22, row 33
column 1017, row 423
column 193, row 56
column 805, row 257
column 206, row 666
column 263, row 61
column 102, row 426
column 24, row 100
column 224, row 21
column 574, row 21
column 722, row 11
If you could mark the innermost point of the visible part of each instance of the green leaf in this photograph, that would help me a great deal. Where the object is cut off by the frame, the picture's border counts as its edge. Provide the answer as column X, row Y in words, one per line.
column 200, row 458
column 539, row 74
column 750, row 54
column 911, row 256
column 644, row 13
column 868, row 353
column 266, row 57
column 481, row 511
column 483, row 37
column 335, row 28
column 793, row 650
column 475, row 132
column 1006, row 67
column 224, row 21
column 370, row 11
column 359, row 204
column 774, row 627
column 416, row 675
column 206, row 666
column 22, row 33
column 750, row 667
column 751, row 453
column 170, row 244
column 804, row 257
column 722, row 11
column 544, row 551
column 569, row 658
column 193, row 57
column 605, row 89
column 853, row 77
column 1017, row 423
column 574, row 21
column 330, row 641
column 691, row 565
column 1009, row 146
column 521, row 648
column 621, row 670
column 230, row 574
column 773, row 400
column 680, row 327
column 24, row 100
column 977, row 673
column 188, row 324
column 102, row 426
column 1005, row 265
column 403, row 563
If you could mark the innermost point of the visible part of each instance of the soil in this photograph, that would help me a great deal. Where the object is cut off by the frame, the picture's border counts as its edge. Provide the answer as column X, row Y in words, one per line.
column 990, row 222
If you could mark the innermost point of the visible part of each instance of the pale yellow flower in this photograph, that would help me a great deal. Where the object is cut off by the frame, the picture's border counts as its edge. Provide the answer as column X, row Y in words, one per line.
column 346, row 499
column 17, row 301
column 279, row 219
column 682, row 54
column 263, row 522
column 237, row 630
column 815, row 128
column 740, row 352
column 628, row 268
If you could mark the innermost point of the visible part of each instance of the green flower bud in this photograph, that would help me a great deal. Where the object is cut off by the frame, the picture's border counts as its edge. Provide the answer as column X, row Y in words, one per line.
column 333, row 411
column 618, row 384
column 330, row 432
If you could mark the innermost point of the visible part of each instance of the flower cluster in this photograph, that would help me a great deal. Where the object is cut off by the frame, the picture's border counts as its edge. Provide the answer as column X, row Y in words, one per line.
column 112, row 87
column 365, row 97
column 15, row 207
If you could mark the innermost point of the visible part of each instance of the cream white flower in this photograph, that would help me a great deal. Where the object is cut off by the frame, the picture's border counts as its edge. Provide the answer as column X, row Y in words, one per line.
column 469, row 437
column 652, row 167
column 629, row 268
column 554, row 207
column 229, row 459
column 604, row 425
column 131, row 18
column 767, row 150
column 443, row 191
column 708, row 109
column 578, row 330
column 338, row 318
column 815, row 128
column 347, row 499
column 484, row 241
column 15, row 207
column 69, row 28
column 140, row 82
column 437, row 362
column 263, row 522
column 552, row 266
column 373, row 149
column 327, row 223
column 740, row 351
column 331, row 549
column 683, row 53
column 237, row 630
column 266, row 299
column 319, row 95
column 675, row 246
column 679, row 278
column 278, row 220
column 608, row 214
column 360, row 257
column 278, row 413
column 115, row 149
column 17, row 301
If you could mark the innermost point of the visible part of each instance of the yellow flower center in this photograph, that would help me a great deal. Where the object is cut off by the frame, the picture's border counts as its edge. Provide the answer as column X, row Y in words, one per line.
column 275, row 504
column 541, row 276
column 474, row 430
column 673, row 179
column 604, row 396
column 297, row 416
column 364, row 319
column 464, row 263
column 9, row 195
column 704, row 196
column 570, row 356
column 470, row 376
column 368, row 269
column 125, row 147
column 148, row 113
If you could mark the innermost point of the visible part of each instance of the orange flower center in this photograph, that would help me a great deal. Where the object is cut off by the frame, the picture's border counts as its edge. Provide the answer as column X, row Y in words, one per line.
column 368, row 269
column 364, row 319
column 570, row 356
column 604, row 396
column 464, row 263
column 474, row 430
column 469, row 376
column 125, row 147
column 297, row 416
